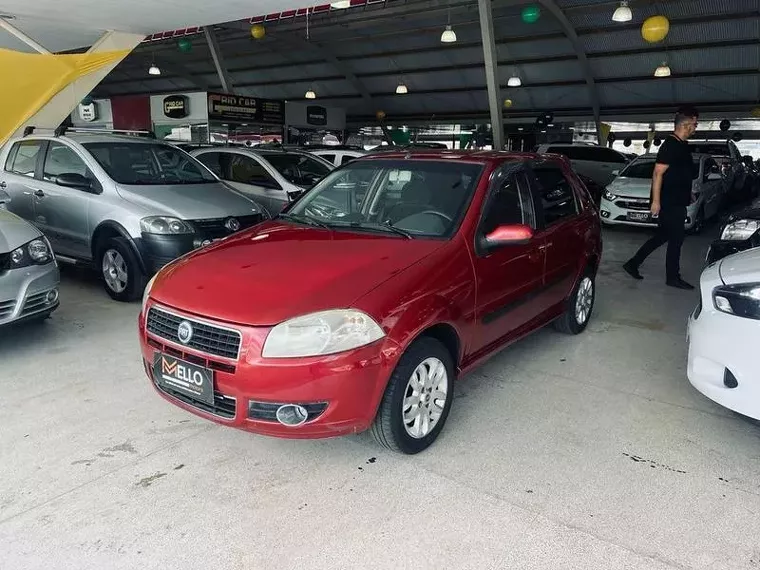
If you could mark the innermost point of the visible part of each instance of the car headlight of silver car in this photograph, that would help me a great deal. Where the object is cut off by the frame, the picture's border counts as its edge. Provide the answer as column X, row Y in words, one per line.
column 740, row 300
column 165, row 225
column 319, row 334
column 609, row 196
column 740, row 230
column 36, row 252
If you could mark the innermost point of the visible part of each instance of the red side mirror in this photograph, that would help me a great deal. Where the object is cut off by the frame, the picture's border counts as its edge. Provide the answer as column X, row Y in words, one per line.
column 516, row 234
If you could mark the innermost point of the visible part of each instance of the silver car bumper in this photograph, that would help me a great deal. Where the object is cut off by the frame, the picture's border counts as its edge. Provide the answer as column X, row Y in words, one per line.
column 28, row 292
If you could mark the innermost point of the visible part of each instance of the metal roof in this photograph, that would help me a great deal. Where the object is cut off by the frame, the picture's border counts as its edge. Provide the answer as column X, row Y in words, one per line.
column 356, row 58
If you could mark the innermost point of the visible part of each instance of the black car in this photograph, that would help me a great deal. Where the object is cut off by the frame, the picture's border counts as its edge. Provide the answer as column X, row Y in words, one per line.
column 740, row 232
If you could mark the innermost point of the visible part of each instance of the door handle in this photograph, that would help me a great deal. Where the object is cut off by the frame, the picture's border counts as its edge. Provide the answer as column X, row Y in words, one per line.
column 3, row 184
column 39, row 193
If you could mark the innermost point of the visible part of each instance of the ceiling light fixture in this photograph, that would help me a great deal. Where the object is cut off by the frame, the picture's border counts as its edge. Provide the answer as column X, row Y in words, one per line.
column 663, row 70
column 342, row 5
column 401, row 89
column 514, row 81
column 154, row 70
column 449, row 36
column 310, row 94
column 623, row 13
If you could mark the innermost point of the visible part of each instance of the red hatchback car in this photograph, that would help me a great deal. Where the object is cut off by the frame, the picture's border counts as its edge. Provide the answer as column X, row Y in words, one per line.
column 361, row 305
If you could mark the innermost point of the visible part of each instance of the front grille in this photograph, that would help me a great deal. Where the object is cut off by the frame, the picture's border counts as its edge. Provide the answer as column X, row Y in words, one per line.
column 35, row 303
column 640, row 205
column 216, row 229
column 6, row 308
column 267, row 411
column 206, row 338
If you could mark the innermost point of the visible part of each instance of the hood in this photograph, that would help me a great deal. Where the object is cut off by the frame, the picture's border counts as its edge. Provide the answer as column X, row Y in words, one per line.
column 277, row 271
column 631, row 187
column 189, row 201
column 742, row 267
column 15, row 232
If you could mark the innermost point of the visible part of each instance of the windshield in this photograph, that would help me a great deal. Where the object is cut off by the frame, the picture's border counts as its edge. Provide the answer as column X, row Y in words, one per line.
column 645, row 169
column 148, row 164
column 714, row 149
column 299, row 169
column 422, row 198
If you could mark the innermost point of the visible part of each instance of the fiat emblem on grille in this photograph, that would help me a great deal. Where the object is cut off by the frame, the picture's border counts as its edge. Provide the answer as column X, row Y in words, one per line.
column 232, row 224
column 185, row 332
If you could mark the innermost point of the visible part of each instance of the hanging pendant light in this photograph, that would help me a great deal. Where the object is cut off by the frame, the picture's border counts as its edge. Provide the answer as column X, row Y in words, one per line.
column 310, row 94
column 154, row 70
column 623, row 13
column 401, row 89
column 449, row 36
column 663, row 70
column 514, row 81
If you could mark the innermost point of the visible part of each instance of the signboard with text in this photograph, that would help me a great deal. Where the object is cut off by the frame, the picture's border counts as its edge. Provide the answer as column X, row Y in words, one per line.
column 176, row 106
column 223, row 107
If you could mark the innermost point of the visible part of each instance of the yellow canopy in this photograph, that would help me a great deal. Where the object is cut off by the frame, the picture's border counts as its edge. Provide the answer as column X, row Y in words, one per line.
column 30, row 81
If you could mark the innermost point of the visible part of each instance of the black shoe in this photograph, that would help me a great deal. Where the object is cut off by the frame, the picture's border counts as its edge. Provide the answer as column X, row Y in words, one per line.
column 632, row 270
column 680, row 284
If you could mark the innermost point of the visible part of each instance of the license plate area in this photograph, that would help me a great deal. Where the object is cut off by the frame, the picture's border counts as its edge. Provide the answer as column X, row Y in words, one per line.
column 190, row 380
column 639, row 216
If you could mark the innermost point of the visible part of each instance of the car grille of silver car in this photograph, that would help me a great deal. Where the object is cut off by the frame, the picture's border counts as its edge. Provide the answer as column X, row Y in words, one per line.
column 6, row 308
column 216, row 228
column 205, row 338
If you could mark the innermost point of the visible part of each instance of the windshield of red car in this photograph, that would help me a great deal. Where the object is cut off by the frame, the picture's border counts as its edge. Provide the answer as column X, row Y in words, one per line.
column 418, row 198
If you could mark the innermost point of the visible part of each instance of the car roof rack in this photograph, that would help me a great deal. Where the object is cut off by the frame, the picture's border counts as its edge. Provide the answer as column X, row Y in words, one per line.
column 62, row 130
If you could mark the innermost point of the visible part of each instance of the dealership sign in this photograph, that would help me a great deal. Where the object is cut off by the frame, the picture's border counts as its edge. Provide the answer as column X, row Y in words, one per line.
column 316, row 115
column 224, row 107
column 176, row 107
column 88, row 112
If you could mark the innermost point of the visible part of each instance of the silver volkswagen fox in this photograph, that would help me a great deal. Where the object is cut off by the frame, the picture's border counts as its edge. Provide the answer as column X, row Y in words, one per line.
column 126, row 204
column 28, row 271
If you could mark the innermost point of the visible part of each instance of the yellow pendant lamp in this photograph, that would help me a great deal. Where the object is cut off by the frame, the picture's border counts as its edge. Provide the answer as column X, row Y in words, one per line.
column 655, row 29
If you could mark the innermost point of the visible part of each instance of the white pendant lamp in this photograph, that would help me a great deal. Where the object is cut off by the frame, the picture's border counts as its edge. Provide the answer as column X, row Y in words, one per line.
column 663, row 70
column 514, row 81
column 310, row 94
column 154, row 70
column 342, row 5
column 401, row 89
column 623, row 13
column 449, row 36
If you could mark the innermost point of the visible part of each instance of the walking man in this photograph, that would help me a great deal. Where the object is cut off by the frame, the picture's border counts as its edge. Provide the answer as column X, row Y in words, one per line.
column 671, row 194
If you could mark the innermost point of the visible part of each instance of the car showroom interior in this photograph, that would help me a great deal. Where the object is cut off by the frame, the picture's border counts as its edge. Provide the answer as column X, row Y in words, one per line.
column 438, row 284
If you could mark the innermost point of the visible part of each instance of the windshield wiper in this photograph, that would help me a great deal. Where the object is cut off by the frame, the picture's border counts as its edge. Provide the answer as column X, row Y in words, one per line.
column 385, row 226
column 302, row 220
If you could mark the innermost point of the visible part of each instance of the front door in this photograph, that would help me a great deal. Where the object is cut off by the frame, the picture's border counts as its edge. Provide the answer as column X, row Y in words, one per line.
column 509, row 279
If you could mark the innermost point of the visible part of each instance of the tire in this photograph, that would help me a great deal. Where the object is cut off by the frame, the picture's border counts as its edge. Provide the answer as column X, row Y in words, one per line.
column 127, row 283
column 389, row 428
column 699, row 223
column 571, row 322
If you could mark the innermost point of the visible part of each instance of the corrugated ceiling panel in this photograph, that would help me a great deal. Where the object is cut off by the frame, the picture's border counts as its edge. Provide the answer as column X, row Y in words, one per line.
column 544, row 72
column 556, row 97
column 716, row 89
column 535, row 49
column 714, row 59
column 635, row 93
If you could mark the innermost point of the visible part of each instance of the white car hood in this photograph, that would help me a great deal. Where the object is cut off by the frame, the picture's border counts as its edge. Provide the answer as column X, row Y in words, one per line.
column 631, row 187
column 742, row 267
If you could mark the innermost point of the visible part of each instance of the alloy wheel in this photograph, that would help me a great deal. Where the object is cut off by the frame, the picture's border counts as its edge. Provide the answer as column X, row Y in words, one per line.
column 425, row 397
column 584, row 300
column 115, row 271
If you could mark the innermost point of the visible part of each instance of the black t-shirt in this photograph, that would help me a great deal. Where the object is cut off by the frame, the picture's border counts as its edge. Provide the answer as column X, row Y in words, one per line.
column 678, row 178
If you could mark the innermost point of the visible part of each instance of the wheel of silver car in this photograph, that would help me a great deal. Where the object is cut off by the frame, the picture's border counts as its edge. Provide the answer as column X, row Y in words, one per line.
column 584, row 301
column 115, row 271
column 418, row 398
column 123, row 277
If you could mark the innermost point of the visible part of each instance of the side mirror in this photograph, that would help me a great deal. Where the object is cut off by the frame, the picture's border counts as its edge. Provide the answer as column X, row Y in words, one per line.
column 516, row 234
column 74, row 180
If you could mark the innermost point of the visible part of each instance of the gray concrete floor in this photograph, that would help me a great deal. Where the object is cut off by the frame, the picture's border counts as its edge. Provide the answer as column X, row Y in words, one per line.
column 563, row 452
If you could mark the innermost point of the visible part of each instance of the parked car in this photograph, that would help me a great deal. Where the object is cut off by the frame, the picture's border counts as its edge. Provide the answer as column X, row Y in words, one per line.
column 412, row 270
column 337, row 156
column 126, row 204
column 595, row 162
column 729, row 158
column 628, row 199
column 28, row 271
column 273, row 178
column 596, row 190
column 740, row 232
column 724, row 333
column 753, row 175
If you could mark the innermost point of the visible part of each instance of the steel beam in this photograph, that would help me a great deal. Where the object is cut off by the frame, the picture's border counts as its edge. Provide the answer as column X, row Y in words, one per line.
column 216, row 55
column 492, row 71
column 11, row 29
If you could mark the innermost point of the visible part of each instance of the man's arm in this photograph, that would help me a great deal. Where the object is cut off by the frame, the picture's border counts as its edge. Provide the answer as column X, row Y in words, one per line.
column 659, row 172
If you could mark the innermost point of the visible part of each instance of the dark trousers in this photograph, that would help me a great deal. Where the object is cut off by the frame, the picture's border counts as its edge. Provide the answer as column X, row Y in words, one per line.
column 670, row 229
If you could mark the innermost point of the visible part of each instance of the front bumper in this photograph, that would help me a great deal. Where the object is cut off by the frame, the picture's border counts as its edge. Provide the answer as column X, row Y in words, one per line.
column 24, row 292
column 614, row 215
column 351, row 383
column 160, row 250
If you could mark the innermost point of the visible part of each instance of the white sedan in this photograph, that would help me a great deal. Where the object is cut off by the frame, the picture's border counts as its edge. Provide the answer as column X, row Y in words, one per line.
column 724, row 334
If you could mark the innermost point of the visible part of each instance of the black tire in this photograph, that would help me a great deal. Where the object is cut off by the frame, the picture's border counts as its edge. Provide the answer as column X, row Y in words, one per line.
column 568, row 323
column 136, row 279
column 699, row 223
column 388, row 428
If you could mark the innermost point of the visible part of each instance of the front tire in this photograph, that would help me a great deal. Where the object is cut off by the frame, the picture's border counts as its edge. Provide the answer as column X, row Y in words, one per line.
column 120, row 270
column 417, row 400
column 579, row 306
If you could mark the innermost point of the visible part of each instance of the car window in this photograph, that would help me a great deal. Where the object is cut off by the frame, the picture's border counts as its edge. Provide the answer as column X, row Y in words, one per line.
column 643, row 169
column 61, row 159
column 328, row 157
column 425, row 198
column 148, row 164
column 211, row 161
column 25, row 158
column 511, row 204
column 246, row 170
column 299, row 169
column 345, row 159
column 557, row 195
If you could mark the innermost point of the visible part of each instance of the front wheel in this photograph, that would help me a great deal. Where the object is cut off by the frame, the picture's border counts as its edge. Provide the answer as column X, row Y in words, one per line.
column 120, row 270
column 417, row 399
column 578, row 307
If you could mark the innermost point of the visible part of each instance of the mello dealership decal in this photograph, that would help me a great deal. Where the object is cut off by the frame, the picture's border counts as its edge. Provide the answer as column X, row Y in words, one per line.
column 176, row 107
column 223, row 107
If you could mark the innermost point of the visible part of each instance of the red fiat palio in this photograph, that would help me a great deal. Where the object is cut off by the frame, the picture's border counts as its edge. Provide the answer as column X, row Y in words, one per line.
column 360, row 305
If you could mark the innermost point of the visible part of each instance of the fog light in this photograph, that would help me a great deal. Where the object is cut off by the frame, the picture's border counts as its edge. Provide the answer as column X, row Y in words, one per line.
column 52, row 296
column 292, row 415
column 723, row 304
column 605, row 214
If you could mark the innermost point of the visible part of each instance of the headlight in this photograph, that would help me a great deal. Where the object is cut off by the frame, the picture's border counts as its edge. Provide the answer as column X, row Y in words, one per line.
column 163, row 225
column 609, row 196
column 318, row 334
column 146, row 294
column 740, row 300
column 740, row 230
column 36, row 252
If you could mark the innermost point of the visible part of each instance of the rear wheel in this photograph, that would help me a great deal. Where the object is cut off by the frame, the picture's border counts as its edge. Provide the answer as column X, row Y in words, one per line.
column 120, row 270
column 417, row 399
column 579, row 306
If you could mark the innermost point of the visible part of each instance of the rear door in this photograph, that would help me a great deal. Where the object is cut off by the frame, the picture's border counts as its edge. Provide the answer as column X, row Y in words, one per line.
column 19, row 172
column 508, row 278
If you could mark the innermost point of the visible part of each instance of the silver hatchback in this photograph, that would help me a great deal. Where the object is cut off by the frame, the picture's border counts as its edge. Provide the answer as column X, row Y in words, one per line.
column 125, row 204
column 28, row 272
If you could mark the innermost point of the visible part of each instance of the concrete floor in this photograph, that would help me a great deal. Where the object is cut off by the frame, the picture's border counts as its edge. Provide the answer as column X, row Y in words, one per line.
column 563, row 452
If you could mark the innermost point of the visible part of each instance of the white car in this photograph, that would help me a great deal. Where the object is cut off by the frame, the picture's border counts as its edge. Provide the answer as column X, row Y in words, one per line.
column 273, row 178
column 627, row 199
column 596, row 162
column 338, row 156
column 724, row 333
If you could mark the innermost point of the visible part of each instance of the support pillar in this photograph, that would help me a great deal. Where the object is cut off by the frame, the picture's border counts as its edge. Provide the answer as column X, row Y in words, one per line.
column 216, row 55
column 492, row 73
